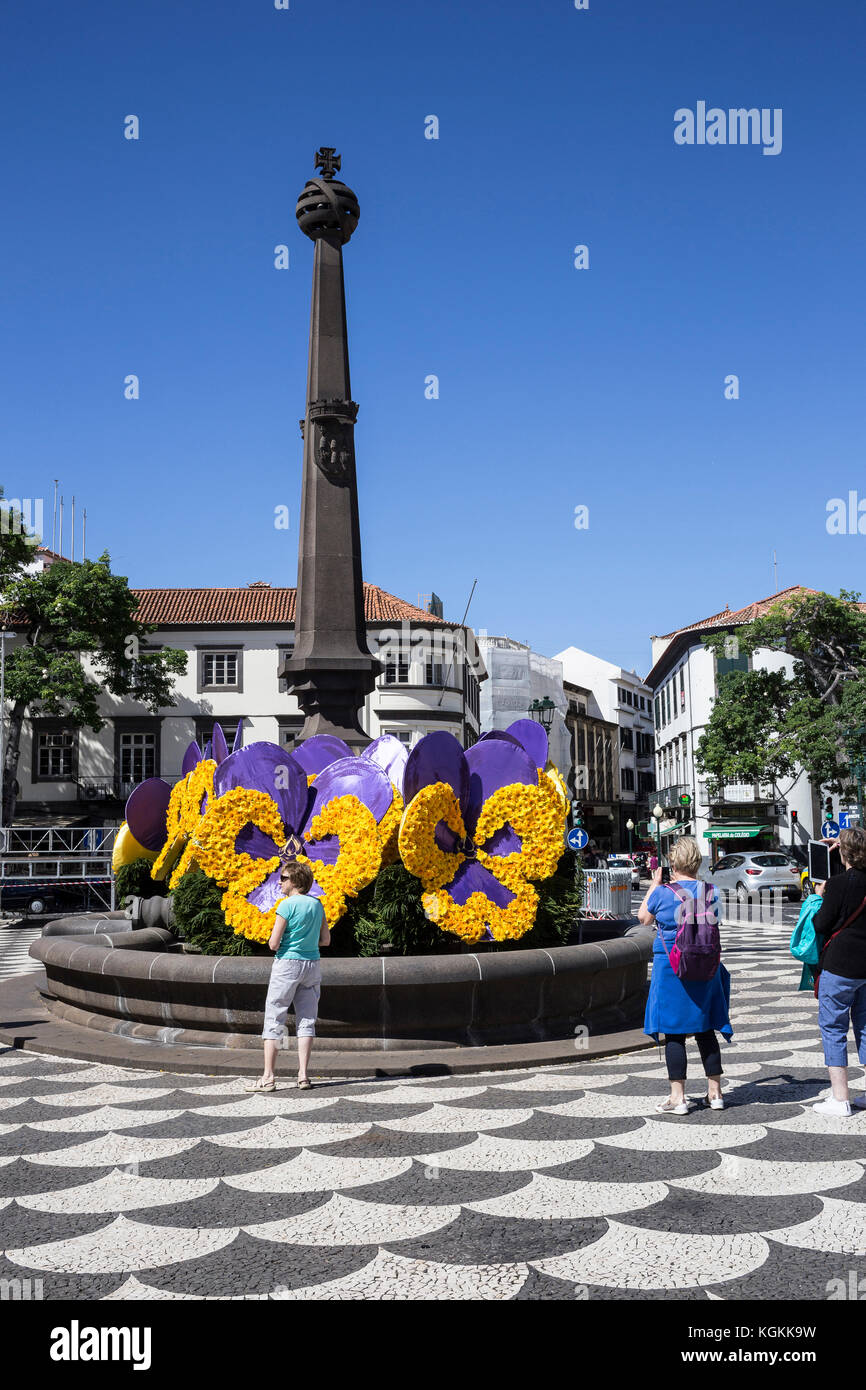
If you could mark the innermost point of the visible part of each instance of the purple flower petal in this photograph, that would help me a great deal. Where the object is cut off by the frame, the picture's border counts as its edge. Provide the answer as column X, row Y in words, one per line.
column 145, row 812
column 472, row 877
column 208, row 751
column 445, row 838
column 191, row 758
column 239, row 736
column 254, row 842
column 503, row 841
column 220, row 747
column 531, row 736
column 391, row 755
column 318, row 752
column 354, row 777
column 326, row 850
column 437, row 758
column 266, row 767
column 494, row 764
column 268, row 894
column 499, row 733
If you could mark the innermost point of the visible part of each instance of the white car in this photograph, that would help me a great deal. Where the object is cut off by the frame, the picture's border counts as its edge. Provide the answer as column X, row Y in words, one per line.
column 622, row 861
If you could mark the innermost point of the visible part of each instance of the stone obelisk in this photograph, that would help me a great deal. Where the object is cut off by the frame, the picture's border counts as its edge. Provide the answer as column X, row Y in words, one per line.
column 331, row 668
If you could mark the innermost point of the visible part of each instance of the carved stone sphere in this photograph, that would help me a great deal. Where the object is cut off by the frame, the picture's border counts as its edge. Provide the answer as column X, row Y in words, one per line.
column 327, row 208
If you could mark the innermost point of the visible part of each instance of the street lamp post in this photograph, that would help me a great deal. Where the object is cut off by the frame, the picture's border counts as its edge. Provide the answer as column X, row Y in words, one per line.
column 629, row 825
column 543, row 711
column 658, row 812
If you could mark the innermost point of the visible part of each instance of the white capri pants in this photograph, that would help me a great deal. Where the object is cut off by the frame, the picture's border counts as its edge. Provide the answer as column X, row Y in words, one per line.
column 297, row 982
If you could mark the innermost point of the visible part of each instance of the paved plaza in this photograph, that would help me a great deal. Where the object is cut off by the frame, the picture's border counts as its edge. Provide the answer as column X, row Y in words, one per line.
column 542, row 1184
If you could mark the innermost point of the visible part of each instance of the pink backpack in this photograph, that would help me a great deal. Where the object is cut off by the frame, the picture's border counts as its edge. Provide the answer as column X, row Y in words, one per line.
column 697, row 950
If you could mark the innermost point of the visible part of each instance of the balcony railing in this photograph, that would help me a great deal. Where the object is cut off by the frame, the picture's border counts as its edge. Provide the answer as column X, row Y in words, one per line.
column 95, row 789
column 727, row 791
column 669, row 797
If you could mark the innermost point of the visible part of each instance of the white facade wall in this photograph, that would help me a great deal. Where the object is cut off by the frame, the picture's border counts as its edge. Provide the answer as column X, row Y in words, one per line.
column 688, row 690
column 608, row 683
column 408, row 709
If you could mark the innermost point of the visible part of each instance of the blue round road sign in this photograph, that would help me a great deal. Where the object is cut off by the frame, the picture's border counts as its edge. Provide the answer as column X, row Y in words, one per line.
column 830, row 830
column 577, row 838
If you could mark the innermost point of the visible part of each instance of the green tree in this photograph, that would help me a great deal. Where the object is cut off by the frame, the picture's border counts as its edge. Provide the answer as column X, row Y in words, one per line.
column 79, row 638
column 766, row 723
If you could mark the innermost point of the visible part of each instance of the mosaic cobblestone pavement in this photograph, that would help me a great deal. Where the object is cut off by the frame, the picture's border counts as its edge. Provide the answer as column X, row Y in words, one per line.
column 542, row 1184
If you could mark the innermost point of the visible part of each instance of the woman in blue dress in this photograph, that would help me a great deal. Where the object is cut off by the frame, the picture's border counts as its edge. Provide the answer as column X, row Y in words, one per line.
column 684, row 1008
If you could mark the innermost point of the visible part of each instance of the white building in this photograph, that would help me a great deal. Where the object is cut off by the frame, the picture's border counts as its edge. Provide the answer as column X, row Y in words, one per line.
column 723, row 815
column 235, row 640
column 621, row 698
column 517, row 676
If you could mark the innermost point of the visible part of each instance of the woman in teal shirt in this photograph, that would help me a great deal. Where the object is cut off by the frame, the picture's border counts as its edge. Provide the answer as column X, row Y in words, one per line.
column 296, row 974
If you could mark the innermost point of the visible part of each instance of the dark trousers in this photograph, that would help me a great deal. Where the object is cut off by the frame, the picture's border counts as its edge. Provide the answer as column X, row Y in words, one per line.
column 675, row 1054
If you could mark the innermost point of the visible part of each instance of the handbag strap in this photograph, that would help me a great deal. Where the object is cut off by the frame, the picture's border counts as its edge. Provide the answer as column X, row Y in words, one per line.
column 846, row 923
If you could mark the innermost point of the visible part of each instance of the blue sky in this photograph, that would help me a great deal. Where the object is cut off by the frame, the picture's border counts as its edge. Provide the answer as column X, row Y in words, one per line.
column 558, row 387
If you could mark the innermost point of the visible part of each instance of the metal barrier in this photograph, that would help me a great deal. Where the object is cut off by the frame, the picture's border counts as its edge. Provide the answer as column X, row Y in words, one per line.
column 607, row 893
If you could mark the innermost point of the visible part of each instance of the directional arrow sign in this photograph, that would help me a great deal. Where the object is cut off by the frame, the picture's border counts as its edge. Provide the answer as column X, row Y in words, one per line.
column 830, row 830
column 577, row 838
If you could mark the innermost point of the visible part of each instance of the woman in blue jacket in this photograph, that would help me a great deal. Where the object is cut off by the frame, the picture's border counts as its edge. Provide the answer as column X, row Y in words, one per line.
column 680, row 1008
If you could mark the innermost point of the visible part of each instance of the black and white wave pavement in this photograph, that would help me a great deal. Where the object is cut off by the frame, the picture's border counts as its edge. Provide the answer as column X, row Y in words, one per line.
column 545, row 1184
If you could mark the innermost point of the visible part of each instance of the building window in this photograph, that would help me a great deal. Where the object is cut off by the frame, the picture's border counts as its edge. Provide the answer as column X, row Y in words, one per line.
column 726, row 664
column 290, row 727
column 404, row 735
column 627, row 779
column 204, row 731
column 55, row 754
column 397, row 672
column 137, row 756
column 626, row 739
column 682, row 687
column 433, row 672
column 284, row 650
column 220, row 669
column 658, row 712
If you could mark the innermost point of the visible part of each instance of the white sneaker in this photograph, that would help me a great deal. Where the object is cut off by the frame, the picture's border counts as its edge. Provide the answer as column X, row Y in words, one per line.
column 717, row 1104
column 832, row 1107
column 667, row 1107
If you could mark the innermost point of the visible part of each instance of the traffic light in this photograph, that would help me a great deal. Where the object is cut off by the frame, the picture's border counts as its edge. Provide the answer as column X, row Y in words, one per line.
column 828, row 808
column 794, row 817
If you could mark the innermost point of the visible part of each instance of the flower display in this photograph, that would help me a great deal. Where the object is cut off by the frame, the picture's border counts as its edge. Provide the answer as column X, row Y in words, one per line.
column 478, row 827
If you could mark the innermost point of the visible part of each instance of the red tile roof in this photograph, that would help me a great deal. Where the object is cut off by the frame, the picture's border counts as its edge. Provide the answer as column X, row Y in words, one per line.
column 257, row 603
column 735, row 617
column 740, row 615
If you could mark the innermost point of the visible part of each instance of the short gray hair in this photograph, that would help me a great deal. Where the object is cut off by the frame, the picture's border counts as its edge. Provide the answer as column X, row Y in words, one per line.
column 685, row 856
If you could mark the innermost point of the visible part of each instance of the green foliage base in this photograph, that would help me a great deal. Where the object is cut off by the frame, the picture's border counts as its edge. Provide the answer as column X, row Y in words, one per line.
column 134, row 881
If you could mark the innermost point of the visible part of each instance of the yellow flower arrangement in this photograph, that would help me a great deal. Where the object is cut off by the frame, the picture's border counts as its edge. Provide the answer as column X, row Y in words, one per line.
column 470, row 920
column 360, row 857
column 246, row 919
column 537, row 817
column 182, row 817
column 418, row 849
column 389, row 829
column 214, row 841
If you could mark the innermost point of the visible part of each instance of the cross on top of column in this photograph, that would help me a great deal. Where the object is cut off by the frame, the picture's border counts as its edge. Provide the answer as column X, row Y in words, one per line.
column 328, row 161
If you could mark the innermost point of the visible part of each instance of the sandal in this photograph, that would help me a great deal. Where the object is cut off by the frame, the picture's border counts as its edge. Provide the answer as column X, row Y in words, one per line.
column 260, row 1085
column 305, row 1085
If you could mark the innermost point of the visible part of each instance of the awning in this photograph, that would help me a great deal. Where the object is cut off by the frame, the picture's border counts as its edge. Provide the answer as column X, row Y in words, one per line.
column 737, row 832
